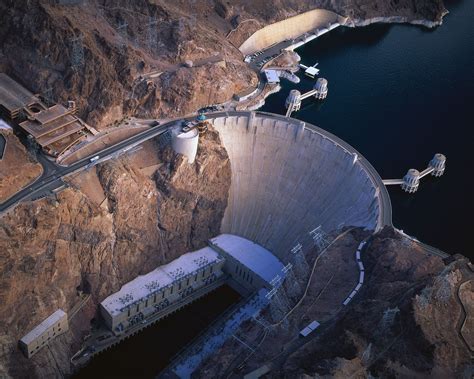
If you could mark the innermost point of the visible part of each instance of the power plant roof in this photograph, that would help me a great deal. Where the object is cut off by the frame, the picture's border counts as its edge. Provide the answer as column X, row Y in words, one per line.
column 161, row 277
column 255, row 257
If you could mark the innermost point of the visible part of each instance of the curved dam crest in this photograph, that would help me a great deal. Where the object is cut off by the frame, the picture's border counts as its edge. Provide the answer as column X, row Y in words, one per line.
column 289, row 178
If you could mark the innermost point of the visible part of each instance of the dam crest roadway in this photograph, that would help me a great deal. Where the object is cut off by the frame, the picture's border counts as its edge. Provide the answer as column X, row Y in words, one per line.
column 298, row 146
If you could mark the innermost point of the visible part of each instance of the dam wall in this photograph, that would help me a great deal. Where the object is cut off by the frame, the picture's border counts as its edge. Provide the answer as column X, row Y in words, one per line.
column 289, row 178
column 290, row 28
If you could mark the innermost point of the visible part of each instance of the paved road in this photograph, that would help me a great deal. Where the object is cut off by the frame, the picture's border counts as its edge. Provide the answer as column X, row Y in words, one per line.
column 51, row 179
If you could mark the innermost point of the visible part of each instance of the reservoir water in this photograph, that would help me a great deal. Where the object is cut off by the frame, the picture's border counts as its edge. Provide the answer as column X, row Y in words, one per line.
column 399, row 94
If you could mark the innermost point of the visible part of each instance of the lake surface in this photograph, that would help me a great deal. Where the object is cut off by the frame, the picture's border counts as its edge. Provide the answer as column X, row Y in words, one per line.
column 399, row 94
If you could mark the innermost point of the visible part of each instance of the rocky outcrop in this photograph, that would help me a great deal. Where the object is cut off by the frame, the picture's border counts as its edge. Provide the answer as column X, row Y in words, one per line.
column 97, row 53
column 55, row 247
column 404, row 324
column 194, row 197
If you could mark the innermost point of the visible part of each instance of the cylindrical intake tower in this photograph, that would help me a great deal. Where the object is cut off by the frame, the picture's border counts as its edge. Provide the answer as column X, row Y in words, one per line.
column 321, row 88
column 294, row 100
column 438, row 163
column 411, row 181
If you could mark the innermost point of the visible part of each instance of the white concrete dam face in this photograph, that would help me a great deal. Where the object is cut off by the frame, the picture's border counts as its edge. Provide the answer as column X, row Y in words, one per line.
column 288, row 180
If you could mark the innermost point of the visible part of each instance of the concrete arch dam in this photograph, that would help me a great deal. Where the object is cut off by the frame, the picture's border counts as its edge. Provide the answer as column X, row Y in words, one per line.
column 289, row 28
column 289, row 178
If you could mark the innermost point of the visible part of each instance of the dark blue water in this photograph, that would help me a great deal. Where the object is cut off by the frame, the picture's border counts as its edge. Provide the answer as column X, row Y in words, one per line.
column 399, row 94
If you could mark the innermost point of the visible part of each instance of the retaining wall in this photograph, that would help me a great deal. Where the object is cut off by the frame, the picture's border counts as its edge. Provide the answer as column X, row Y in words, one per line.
column 288, row 29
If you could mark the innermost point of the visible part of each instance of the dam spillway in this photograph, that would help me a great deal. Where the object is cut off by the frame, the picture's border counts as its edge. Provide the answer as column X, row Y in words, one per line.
column 289, row 178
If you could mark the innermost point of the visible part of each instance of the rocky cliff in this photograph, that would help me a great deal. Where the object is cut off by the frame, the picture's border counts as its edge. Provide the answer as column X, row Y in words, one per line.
column 55, row 247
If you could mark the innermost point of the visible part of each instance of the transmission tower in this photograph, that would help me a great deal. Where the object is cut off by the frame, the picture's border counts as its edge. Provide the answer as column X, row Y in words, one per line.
column 122, row 28
column 300, row 264
column 151, row 36
column 367, row 354
column 320, row 238
column 47, row 96
column 292, row 286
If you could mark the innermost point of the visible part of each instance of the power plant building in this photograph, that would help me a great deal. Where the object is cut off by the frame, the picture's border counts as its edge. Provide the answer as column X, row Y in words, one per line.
column 53, row 326
column 149, row 294
column 248, row 263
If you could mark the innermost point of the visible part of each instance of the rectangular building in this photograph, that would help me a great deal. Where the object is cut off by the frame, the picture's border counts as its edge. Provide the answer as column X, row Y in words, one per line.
column 272, row 76
column 53, row 326
column 149, row 294
column 14, row 97
column 55, row 128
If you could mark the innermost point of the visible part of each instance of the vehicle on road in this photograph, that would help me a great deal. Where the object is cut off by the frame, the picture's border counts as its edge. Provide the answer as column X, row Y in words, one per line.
column 94, row 159
column 309, row 329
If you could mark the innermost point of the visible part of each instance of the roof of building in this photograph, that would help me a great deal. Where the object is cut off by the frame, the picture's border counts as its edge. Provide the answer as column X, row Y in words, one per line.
column 161, row 277
column 255, row 257
column 272, row 76
column 312, row 71
column 43, row 326
column 13, row 96
column 193, row 133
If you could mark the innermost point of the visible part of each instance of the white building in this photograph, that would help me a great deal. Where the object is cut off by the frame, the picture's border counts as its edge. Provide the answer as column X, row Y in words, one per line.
column 149, row 294
column 248, row 263
column 272, row 76
column 50, row 328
